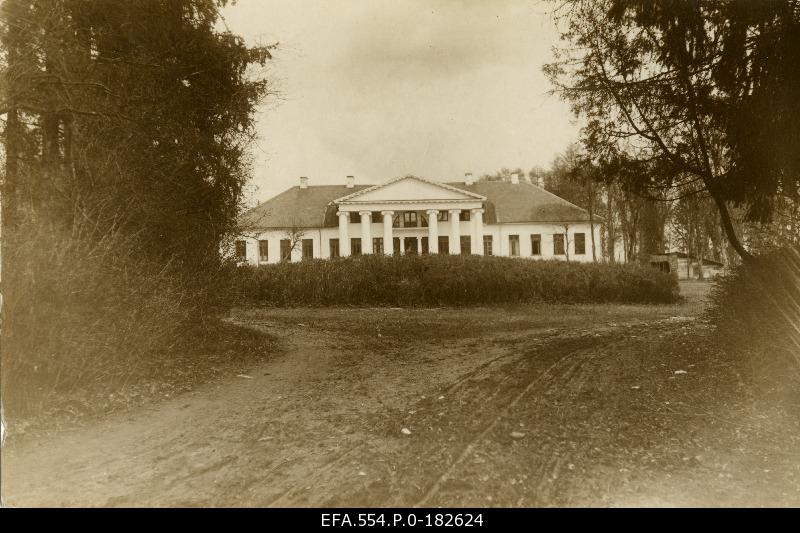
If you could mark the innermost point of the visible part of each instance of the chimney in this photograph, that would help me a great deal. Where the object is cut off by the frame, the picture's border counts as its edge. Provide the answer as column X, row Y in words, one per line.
column 303, row 182
column 515, row 178
column 351, row 182
column 468, row 179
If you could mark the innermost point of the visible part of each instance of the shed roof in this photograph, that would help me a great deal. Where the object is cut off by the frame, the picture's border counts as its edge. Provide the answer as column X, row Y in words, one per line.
column 683, row 255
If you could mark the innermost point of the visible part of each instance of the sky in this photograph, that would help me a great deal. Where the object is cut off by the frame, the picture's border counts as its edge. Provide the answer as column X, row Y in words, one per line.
column 378, row 89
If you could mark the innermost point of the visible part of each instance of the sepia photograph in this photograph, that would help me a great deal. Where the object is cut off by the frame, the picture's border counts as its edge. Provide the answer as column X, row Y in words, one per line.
column 400, row 262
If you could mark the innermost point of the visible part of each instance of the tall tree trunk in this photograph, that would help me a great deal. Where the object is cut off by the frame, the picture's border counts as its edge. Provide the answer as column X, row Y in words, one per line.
column 702, row 248
column 651, row 239
column 700, row 266
column 611, row 236
column 730, row 231
column 9, row 205
column 9, row 197
column 48, row 177
column 10, row 193
column 11, row 11
column 624, row 247
column 591, row 219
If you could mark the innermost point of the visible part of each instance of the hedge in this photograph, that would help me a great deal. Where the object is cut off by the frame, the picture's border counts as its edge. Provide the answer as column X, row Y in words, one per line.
column 452, row 280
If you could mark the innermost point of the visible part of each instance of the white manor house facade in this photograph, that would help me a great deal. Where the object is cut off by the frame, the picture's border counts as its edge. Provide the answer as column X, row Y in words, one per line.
column 411, row 215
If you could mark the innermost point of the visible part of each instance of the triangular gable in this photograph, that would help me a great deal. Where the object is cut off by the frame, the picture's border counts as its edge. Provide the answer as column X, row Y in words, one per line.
column 410, row 188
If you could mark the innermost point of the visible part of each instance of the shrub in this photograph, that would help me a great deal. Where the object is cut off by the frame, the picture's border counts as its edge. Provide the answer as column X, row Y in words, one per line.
column 84, row 312
column 757, row 308
column 459, row 280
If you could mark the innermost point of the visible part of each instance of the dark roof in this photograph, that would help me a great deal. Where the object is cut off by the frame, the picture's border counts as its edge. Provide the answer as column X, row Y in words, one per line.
column 505, row 202
column 682, row 255
column 304, row 208
column 524, row 202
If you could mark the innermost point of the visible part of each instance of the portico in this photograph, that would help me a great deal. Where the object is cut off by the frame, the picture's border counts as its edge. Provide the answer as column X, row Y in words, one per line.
column 411, row 208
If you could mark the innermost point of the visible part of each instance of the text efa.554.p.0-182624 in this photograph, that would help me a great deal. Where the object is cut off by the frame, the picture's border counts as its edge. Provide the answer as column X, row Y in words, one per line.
column 403, row 519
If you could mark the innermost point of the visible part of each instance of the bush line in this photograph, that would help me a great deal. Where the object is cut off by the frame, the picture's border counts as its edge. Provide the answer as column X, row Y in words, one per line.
column 454, row 280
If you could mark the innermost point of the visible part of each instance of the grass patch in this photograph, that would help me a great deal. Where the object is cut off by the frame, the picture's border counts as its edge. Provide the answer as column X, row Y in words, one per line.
column 90, row 324
column 215, row 351
column 461, row 280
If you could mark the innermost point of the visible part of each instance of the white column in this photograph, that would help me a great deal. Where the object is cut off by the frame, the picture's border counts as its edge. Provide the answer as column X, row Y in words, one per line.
column 366, row 232
column 455, row 232
column 344, row 234
column 476, row 220
column 433, row 231
column 388, row 242
column 254, row 246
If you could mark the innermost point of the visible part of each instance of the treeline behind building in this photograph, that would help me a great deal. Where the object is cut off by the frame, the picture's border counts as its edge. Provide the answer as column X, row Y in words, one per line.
column 639, row 217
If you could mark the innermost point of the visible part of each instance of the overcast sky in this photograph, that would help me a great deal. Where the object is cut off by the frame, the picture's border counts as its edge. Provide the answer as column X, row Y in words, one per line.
column 380, row 88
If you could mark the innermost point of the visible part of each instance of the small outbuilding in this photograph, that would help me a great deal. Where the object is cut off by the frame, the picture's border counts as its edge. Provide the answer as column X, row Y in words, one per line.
column 687, row 266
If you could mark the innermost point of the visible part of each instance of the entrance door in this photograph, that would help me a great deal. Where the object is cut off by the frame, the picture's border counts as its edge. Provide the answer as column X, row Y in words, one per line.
column 410, row 245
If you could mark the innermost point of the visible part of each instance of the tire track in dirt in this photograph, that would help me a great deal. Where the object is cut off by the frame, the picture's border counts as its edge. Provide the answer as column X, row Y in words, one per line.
column 319, row 473
column 295, row 494
column 205, row 448
column 552, row 374
column 552, row 485
column 569, row 370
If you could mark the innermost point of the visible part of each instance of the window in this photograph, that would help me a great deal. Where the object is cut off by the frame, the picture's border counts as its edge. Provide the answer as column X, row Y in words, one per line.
column 536, row 244
column 410, row 219
column 377, row 245
column 263, row 251
column 662, row 266
column 308, row 249
column 286, row 250
column 466, row 245
column 410, row 245
column 513, row 245
column 443, row 216
column 334, row 245
column 463, row 216
column 241, row 250
column 377, row 218
column 423, row 220
column 355, row 246
column 558, row 244
column 580, row 243
column 487, row 245
column 444, row 245
column 355, row 218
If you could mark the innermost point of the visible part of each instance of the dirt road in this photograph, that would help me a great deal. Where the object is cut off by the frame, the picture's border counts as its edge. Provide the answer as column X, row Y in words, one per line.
column 524, row 407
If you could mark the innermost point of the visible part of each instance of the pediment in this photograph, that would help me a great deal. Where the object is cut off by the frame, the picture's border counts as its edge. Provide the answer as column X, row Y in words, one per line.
column 410, row 189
